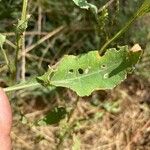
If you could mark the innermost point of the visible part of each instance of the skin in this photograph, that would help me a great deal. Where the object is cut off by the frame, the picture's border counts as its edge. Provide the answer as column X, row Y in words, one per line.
column 5, row 122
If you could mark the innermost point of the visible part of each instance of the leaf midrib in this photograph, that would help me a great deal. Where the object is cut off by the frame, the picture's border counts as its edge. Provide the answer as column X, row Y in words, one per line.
column 82, row 76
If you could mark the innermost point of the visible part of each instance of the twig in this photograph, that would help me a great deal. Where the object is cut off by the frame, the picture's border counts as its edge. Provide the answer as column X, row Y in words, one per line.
column 30, row 56
column 106, row 5
column 22, row 141
column 137, row 133
column 10, row 43
column 49, row 35
column 26, row 34
column 45, row 33
column 44, row 53
column 39, row 19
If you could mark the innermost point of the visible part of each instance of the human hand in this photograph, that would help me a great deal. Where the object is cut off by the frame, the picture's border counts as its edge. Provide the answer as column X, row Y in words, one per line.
column 5, row 122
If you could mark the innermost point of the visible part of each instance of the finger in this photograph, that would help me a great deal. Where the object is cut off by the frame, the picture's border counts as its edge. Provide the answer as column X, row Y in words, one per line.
column 5, row 114
column 5, row 143
column 5, row 122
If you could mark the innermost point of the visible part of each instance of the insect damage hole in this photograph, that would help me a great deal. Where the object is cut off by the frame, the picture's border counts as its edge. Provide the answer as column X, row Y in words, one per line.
column 106, row 75
column 86, row 71
column 80, row 71
column 71, row 71
column 103, row 66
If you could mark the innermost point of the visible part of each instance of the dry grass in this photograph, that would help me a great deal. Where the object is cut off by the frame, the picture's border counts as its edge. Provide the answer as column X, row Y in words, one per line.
column 127, row 129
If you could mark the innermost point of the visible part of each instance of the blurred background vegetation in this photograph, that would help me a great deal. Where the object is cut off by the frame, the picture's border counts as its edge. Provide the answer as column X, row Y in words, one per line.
column 72, row 31
column 82, row 32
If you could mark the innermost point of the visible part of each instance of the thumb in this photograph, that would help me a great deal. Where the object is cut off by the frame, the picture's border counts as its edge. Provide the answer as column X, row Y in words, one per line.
column 5, row 113
column 5, row 121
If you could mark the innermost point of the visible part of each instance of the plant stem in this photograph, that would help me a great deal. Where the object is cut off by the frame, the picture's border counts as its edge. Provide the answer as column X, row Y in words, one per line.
column 145, row 7
column 20, row 32
column 118, row 34
column 19, row 87
column 24, row 10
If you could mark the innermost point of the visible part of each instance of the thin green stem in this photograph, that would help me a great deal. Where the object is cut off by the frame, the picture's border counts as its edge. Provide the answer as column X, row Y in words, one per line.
column 118, row 34
column 24, row 10
column 145, row 7
column 19, row 87
column 22, row 24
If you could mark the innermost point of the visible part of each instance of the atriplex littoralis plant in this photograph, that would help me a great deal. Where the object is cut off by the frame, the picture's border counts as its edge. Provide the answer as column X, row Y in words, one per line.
column 90, row 70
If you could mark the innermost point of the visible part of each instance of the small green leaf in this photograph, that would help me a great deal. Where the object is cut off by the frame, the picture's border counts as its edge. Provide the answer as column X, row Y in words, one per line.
column 22, row 25
column 53, row 117
column 85, row 5
column 89, row 72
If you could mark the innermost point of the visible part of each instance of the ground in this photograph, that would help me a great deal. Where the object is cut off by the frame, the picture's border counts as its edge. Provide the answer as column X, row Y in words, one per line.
column 124, row 127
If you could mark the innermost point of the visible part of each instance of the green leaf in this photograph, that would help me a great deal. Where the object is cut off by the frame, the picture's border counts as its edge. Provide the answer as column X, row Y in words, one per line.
column 53, row 117
column 85, row 5
column 22, row 25
column 89, row 72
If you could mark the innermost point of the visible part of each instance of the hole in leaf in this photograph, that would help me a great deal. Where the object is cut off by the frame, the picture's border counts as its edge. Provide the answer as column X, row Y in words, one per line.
column 80, row 71
column 106, row 75
column 27, row 74
column 103, row 66
column 71, row 70
column 86, row 71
